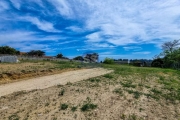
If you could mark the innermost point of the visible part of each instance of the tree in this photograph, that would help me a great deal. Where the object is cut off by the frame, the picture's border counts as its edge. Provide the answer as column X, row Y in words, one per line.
column 170, row 46
column 60, row 55
column 8, row 50
column 78, row 58
column 171, row 53
column 37, row 53
column 158, row 62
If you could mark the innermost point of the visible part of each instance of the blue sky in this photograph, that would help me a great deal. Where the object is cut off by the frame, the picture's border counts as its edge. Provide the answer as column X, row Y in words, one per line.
column 126, row 29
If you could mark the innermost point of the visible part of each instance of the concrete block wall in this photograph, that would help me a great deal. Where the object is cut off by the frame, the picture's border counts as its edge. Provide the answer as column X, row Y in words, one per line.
column 8, row 59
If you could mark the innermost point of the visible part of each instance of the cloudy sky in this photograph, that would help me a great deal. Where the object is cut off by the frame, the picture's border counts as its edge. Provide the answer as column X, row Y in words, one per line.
column 112, row 28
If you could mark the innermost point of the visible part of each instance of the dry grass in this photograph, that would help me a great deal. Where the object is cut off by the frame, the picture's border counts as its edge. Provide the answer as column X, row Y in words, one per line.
column 29, row 69
column 129, row 93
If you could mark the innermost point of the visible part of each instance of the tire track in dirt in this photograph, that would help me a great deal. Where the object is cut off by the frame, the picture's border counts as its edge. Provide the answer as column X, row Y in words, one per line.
column 52, row 80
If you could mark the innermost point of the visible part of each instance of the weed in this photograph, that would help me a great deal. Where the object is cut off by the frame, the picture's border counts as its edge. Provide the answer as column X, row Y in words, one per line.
column 47, row 104
column 128, row 84
column 88, row 106
column 74, row 108
column 141, row 109
column 155, row 91
column 61, row 93
column 55, row 118
column 94, row 80
column 123, row 116
column 19, row 93
column 161, row 78
column 63, row 106
column 132, row 117
column 59, row 86
column 137, row 94
column 68, row 83
column 108, row 76
column 118, row 91
column 14, row 117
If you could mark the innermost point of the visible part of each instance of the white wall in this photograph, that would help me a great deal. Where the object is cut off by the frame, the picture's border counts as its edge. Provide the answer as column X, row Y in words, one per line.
column 9, row 59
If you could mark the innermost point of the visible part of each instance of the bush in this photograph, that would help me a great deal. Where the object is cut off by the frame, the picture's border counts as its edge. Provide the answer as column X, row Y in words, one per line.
column 157, row 63
column 64, row 106
column 108, row 61
column 74, row 108
column 88, row 106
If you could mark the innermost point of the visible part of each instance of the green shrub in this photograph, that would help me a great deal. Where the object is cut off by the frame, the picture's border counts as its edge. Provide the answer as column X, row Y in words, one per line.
column 63, row 106
column 108, row 76
column 14, row 117
column 108, row 61
column 74, row 108
column 88, row 106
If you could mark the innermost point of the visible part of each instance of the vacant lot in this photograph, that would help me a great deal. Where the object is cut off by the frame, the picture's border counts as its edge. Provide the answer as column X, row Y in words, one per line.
column 128, row 93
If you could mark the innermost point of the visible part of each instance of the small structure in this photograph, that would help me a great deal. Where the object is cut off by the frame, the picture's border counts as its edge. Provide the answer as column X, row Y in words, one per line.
column 8, row 59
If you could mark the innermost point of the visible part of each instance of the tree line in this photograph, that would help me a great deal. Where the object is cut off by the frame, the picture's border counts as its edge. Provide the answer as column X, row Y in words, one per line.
column 34, row 53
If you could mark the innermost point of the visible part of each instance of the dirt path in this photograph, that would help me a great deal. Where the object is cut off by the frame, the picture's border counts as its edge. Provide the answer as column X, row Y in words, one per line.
column 52, row 80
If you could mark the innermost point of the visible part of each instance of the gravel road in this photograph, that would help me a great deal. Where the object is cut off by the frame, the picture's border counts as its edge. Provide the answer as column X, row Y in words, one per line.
column 52, row 80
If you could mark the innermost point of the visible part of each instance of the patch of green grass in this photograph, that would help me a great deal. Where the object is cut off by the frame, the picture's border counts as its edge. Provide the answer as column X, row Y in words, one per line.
column 132, row 117
column 118, row 91
column 94, row 80
column 155, row 91
column 108, row 76
column 135, row 93
column 128, row 84
column 152, row 96
column 63, row 106
column 88, row 106
column 170, row 84
column 14, row 117
column 74, row 108
column 161, row 78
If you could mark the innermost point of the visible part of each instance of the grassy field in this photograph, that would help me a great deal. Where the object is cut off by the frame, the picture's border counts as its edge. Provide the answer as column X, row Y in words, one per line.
column 128, row 93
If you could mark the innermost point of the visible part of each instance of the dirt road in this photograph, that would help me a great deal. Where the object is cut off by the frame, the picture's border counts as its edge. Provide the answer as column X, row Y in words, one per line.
column 52, row 80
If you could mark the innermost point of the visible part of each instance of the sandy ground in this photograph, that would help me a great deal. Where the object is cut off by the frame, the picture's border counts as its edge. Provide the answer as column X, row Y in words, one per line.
column 52, row 80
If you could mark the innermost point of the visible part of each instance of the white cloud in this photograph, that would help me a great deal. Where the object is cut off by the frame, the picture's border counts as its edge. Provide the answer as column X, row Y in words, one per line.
column 41, row 24
column 134, row 48
column 24, row 36
column 3, row 6
column 63, row 7
column 16, row 3
column 142, row 53
column 75, row 29
column 133, row 21
column 94, row 37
